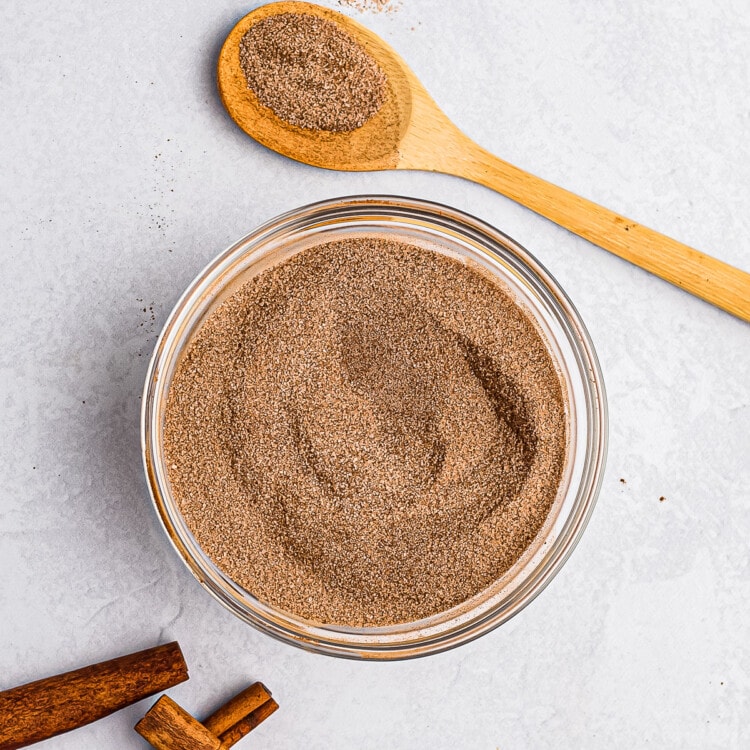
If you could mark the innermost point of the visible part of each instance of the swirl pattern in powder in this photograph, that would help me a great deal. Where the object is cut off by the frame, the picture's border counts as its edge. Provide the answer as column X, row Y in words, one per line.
column 368, row 433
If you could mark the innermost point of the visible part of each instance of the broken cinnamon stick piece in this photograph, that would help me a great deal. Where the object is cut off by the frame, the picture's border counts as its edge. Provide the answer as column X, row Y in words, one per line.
column 237, row 708
column 246, row 725
column 168, row 727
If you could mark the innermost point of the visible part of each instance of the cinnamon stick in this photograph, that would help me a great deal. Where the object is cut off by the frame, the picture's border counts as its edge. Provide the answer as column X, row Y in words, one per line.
column 167, row 726
column 238, row 708
column 45, row 708
column 246, row 725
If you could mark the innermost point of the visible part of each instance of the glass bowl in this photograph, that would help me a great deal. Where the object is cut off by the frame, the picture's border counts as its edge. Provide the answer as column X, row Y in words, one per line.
column 454, row 233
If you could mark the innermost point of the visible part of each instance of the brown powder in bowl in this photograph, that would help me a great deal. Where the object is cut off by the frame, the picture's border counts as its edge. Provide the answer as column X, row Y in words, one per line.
column 310, row 73
column 368, row 433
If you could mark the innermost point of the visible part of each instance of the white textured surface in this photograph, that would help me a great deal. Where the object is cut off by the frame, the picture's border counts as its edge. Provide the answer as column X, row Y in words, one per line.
column 122, row 176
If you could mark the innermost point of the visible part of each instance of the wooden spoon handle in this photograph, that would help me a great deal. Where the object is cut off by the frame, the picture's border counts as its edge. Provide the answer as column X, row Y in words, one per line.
column 710, row 279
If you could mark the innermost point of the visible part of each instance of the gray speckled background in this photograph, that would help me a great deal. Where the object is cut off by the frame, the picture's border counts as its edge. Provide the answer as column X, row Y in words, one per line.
column 122, row 176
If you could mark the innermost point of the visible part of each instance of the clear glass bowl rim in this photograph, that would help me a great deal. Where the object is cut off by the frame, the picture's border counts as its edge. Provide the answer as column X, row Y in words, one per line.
column 370, row 643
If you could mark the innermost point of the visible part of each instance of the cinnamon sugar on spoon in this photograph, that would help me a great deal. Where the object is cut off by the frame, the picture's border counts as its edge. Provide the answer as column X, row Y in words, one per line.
column 310, row 73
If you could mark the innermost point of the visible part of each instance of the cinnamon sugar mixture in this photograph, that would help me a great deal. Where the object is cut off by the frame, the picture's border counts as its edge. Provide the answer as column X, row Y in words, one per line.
column 310, row 73
column 368, row 433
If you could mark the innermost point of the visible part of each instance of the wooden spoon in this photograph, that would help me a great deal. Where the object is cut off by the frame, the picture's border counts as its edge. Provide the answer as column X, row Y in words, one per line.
column 411, row 132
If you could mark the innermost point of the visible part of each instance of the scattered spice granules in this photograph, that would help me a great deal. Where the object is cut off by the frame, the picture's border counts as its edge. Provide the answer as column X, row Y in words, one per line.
column 310, row 73
column 376, row 6
column 368, row 433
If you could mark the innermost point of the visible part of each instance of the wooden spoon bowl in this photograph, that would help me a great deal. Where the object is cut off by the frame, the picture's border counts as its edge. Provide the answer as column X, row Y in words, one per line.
column 373, row 146
column 411, row 132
